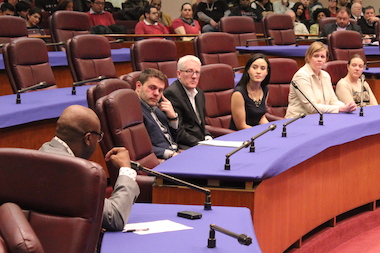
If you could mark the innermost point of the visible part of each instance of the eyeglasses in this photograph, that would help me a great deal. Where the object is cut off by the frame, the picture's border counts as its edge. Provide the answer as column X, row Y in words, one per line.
column 100, row 135
column 191, row 72
column 99, row 3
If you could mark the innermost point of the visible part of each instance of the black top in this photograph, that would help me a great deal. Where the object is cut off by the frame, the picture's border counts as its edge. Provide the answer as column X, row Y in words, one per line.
column 214, row 10
column 249, row 12
column 253, row 111
column 366, row 28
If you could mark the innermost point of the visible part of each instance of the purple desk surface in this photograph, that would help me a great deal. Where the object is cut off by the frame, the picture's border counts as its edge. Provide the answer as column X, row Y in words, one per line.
column 38, row 105
column 293, row 51
column 235, row 219
column 58, row 58
column 274, row 154
column 372, row 71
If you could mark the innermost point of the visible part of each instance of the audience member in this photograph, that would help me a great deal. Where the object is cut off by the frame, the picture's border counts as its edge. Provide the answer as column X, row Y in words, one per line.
column 344, row 3
column 77, row 134
column 306, row 4
column 7, row 9
column 299, row 28
column 299, row 10
column 33, row 18
column 351, row 87
column 12, row 2
column 244, row 9
column 65, row 5
column 282, row 6
column 356, row 11
column 97, row 14
column 210, row 12
column 265, row 7
column 368, row 21
column 333, row 8
column 318, row 14
column 150, row 24
column 248, row 102
column 315, row 4
column 22, row 9
column 342, row 23
column 163, row 18
column 315, row 83
column 189, row 102
column 133, row 9
column 160, row 119
column 47, row 5
column 185, row 24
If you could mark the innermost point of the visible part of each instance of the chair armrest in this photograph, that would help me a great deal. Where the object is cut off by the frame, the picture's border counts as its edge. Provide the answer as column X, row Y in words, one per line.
column 260, row 39
column 218, row 131
column 272, row 117
column 145, row 183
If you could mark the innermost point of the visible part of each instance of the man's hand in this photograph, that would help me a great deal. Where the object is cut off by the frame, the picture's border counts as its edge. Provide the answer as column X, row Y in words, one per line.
column 167, row 108
column 119, row 157
column 213, row 23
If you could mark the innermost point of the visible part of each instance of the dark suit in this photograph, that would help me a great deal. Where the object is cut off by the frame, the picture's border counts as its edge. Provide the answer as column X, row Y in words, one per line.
column 190, row 131
column 329, row 28
column 157, row 137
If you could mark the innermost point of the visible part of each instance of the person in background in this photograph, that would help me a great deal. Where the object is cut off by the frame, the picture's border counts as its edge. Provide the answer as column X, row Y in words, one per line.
column 150, row 24
column 368, row 21
column 7, row 9
column 22, row 9
column 97, row 14
column 306, row 4
column 265, row 7
column 33, row 18
column 299, row 28
column 163, row 18
column 314, row 4
column 349, row 88
column 315, row 83
column 12, row 2
column 65, row 5
column 189, row 102
column 299, row 10
column 210, row 12
column 77, row 134
column 248, row 101
column 356, row 11
column 344, row 3
column 244, row 9
column 342, row 23
column 333, row 8
column 318, row 14
column 185, row 24
column 282, row 6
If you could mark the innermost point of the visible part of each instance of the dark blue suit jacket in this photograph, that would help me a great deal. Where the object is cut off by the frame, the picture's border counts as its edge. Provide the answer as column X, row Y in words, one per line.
column 157, row 137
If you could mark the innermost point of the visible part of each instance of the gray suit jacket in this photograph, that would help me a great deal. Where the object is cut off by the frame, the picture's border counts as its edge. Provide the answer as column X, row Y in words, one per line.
column 329, row 28
column 118, row 207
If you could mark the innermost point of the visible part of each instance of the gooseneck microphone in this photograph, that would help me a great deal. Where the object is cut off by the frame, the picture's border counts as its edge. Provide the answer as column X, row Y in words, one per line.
column 242, row 238
column 227, row 165
column 312, row 104
column 207, row 205
column 362, row 78
column 33, row 87
column 302, row 115
column 80, row 83
column 270, row 128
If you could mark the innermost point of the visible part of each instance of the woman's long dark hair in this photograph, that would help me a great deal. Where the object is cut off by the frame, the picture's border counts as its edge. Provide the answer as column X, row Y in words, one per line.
column 245, row 78
column 302, row 17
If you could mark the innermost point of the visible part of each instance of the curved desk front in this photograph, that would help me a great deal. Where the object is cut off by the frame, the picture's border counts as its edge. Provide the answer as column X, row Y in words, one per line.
column 292, row 184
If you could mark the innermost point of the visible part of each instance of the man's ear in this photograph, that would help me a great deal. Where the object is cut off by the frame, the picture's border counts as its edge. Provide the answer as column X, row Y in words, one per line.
column 138, row 86
column 87, row 139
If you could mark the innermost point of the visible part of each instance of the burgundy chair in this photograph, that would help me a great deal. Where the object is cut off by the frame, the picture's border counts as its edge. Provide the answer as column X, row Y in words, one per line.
column 216, row 47
column 66, row 24
column 121, row 120
column 27, row 63
column 12, row 27
column 131, row 78
column 217, row 82
column 62, row 197
column 155, row 53
column 16, row 234
column 337, row 70
column 280, row 28
column 343, row 44
column 241, row 27
column 282, row 72
column 89, row 56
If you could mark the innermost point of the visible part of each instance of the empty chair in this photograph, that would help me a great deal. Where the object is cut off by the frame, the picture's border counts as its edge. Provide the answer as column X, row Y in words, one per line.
column 27, row 63
column 343, row 44
column 217, row 83
column 155, row 53
column 216, row 47
column 66, row 24
column 280, row 28
column 12, row 27
column 282, row 72
column 337, row 70
column 89, row 56
column 61, row 196
column 242, row 28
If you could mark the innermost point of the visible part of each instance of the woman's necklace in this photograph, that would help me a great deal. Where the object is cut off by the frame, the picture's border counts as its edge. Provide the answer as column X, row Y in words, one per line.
column 252, row 96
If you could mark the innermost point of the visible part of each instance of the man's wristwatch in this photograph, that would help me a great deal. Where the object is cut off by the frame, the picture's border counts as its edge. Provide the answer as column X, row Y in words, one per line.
column 175, row 118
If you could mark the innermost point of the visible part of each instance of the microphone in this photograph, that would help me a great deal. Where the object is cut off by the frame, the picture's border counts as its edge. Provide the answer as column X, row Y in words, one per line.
column 80, row 83
column 362, row 78
column 207, row 205
column 227, row 165
column 270, row 128
column 302, row 115
column 242, row 238
column 33, row 87
column 320, row 114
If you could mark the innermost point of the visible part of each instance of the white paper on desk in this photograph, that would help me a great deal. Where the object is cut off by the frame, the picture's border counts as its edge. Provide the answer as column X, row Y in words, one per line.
column 230, row 144
column 159, row 226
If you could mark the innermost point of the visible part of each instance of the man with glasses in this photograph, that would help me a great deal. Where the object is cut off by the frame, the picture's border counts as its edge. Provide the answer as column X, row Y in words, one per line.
column 189, row 102
column 163, row 18
column 160, row 119
column 97, row 14
column 150, row 24
column 77, row 134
